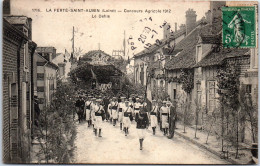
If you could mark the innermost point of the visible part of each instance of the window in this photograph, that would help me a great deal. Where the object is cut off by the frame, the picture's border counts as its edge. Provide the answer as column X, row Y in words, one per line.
column 40, row 76
column 26, row 56
column 249, row 88
column 199, row 53
column 174, row 93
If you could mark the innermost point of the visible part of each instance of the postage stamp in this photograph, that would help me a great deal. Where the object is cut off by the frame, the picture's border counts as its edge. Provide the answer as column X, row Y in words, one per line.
column 238, row 28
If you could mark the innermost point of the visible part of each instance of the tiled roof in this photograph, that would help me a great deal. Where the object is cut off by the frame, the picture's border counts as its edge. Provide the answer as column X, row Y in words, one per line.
column 21, row 20
column 154, row 65
column 156, row 46
column 186, row 58
column 216, row 58
column 45, row 49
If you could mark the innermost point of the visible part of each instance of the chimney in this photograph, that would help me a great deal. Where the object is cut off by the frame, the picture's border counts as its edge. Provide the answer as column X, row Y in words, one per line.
column 208, row 16
column 190, row 20
column 216, row 15
column 182, row 26
column 166, row 31
column 6, row 7
column 30, row 28
column 176, row 27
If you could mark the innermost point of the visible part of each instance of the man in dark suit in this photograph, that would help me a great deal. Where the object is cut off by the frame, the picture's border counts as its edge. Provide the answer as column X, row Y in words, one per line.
column 142, row 123
column 172, row 118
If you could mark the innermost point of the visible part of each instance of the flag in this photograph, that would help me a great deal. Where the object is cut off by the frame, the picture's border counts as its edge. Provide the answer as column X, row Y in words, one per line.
column 93, row 75
column 66, row 55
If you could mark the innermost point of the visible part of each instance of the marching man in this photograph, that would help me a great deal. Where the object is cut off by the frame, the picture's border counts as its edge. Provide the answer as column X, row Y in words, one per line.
column 99, row 111
column 109, row 110
column 141, row 125
column 164, row 113
column 121, row 105
column 92, row 114
column 88, row 110
column 137, row 105
column 127, row 110
column 153, row 115
column 114, row 106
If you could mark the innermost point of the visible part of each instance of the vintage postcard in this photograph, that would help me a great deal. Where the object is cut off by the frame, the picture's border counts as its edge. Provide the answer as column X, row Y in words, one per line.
column 130, row 82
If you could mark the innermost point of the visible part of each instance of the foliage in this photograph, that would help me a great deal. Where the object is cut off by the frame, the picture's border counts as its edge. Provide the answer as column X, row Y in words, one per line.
column 248, row 112
column 57, row 131
column 187, row 80
column 83, row 73
column 183, row 111
column 228, row 84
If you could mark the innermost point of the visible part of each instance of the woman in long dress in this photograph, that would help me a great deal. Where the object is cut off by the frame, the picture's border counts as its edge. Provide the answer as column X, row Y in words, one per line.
column 153, row 116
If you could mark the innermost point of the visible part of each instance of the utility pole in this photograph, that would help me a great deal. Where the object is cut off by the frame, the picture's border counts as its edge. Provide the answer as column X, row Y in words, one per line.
column 124, row 43
column 73, row 31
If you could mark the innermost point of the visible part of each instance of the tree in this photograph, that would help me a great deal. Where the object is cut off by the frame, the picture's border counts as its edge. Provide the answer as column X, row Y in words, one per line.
column 56, row 131
column 228, row 84
column 187, row 81
column 248, row 110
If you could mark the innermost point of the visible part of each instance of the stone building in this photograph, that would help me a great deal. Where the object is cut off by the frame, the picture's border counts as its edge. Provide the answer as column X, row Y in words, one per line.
column 46, row 80
column 18, row 101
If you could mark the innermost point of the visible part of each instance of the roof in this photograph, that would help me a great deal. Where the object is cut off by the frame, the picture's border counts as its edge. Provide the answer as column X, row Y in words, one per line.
column 186, row 57
column 154, row 65
column 48, row 62
column 216, row 58
column 18, row 20
column 45, row 49
column 9, row 26
column 157, row 46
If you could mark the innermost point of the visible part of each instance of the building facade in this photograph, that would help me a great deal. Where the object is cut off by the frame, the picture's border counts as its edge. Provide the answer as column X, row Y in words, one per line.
column 46, row 80
column 18, row 50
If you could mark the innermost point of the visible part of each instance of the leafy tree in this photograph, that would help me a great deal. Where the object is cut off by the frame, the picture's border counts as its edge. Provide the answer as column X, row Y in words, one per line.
column 56, row 131
column 228, row 84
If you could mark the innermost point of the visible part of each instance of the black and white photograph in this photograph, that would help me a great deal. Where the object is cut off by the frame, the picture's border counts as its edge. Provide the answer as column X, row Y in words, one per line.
column 130, row 82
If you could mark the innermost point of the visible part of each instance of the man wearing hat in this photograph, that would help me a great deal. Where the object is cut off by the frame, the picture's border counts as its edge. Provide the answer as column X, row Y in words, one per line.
column 172, row 119
column 153, row 115
column 131, row 104
column 137, row 105
column 127, row 111
column 92, row 113
column 121, row 106
column 114, row 106
column 142, row 124
column 164, row 113
column 99, row 111
column 87, row 110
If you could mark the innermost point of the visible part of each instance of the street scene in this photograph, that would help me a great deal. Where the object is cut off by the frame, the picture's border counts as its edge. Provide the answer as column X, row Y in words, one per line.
column 109, row 82
column 128, row 153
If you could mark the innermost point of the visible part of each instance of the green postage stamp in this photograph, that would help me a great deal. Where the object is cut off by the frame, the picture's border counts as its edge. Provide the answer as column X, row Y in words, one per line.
column 238, row 28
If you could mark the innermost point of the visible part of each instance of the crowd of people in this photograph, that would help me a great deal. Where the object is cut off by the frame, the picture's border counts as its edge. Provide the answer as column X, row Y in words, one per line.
column 124, row 111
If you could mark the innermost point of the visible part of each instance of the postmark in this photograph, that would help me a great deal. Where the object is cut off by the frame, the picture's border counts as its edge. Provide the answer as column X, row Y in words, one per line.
column 239, row 27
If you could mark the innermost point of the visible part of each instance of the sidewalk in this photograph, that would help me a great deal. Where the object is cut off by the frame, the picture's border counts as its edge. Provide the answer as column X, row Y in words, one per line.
column 213, row 145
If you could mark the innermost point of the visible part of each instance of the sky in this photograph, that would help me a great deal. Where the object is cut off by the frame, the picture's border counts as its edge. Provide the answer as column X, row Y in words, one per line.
column 55, row 28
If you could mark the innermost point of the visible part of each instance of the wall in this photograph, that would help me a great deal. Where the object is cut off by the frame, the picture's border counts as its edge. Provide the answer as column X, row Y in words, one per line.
column 10, row 116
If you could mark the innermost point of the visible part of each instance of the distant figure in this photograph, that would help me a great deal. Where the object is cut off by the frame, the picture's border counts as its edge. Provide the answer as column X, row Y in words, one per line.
column 37, row 111
column 153, row 115
column 164, row 111
column 127, row 111
column 172, row 119
column 142, row 123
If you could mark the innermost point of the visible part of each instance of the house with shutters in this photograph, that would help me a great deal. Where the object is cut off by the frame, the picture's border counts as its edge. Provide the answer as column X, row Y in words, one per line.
column 18, row 100
column 46, row 78
column 201, row 54
column 150, row 62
